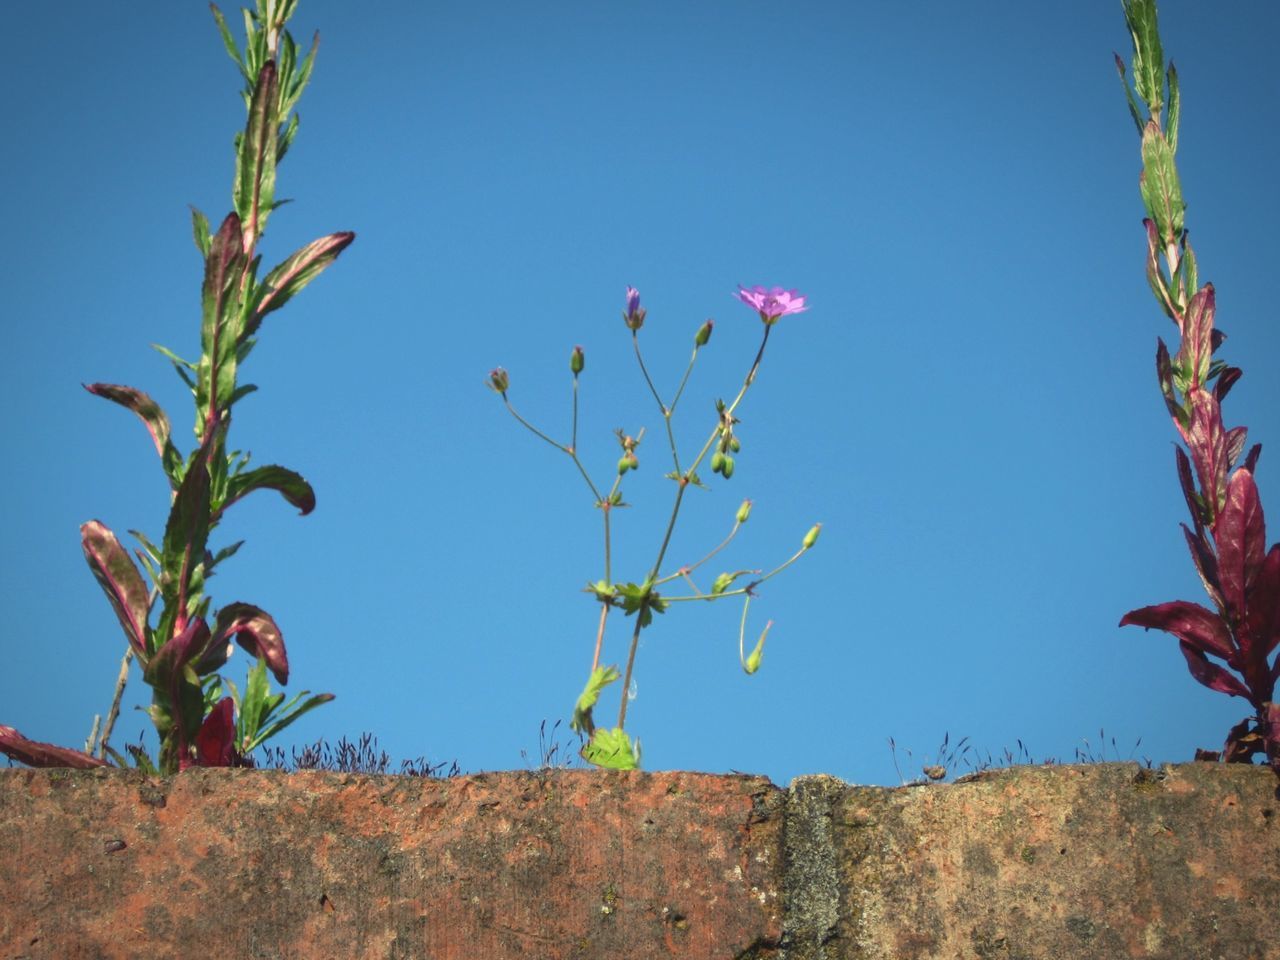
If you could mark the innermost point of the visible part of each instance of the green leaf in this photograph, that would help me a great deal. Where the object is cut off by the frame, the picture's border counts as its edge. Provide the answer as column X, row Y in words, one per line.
column 1148, row 56
column 229, row 42
column 253, row 704
column 1161, row 191
column 281, row 284
column 288, row 484
column 1134, row 110
column 287, row 716
column 612, row 749
column 186, row 532
column 200, row 230
column 184, row 368
column 120, row 581
column 152, row 417
column 1175, row 108
column 221, row 555
column 600, row 678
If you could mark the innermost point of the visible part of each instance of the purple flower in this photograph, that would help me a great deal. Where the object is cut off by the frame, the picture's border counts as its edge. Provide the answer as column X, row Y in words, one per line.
column 772, row 303
column 633, row 316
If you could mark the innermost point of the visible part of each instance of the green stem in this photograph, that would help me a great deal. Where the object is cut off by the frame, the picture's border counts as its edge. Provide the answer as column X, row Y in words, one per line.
column 559, row 446
column 741, row 590
column 665, row 410
column 631, row 659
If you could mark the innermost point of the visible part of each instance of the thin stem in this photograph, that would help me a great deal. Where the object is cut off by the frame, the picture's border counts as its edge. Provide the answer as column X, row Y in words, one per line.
column 631, row 659
column 604, row 613
column 573, row 443
column 114, row 712
column 666, row 411
column 742, row 629
column 687, row 370
column 684, row 571
column 742, row 590
column 559, row 446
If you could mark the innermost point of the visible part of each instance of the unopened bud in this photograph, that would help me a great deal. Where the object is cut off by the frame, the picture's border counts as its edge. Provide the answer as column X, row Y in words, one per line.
column 629, row 461
column 498, row 380
column 811, row 537
column 726, row 468
column 717, row 462
column 734, row 443
column 704, row 334
column 634, row 315
column 577, row 360
column 752, row 663
column 744, row 511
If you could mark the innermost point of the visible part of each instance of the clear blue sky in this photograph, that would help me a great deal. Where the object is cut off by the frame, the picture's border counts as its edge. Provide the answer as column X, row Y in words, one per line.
column 969, row 407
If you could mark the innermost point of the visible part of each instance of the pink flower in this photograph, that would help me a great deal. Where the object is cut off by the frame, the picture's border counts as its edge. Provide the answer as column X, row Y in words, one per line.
column 772, row 303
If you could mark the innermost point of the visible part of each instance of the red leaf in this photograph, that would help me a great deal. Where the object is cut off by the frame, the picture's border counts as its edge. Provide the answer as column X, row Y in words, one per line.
column 120, row 581
column 1263, row 604
column 216, row 741
column 1240, row 535
column 254, row 630
column 1212, row 675
column 1194, row 625
column 1226, row 380
column 36, row 754
column 1251, row 458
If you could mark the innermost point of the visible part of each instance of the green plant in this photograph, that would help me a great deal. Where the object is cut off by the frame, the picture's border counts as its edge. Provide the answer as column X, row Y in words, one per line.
column 641, row 598
column 202, row 718
column 1228, row 534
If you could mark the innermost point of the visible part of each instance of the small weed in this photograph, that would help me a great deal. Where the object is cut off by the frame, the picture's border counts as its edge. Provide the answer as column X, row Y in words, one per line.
column 363, row 756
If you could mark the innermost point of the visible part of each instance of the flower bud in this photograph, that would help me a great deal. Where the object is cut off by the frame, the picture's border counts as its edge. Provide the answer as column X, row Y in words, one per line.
column 498, row 380
column 752, row 663
column 577, row 360
column 744, row 511
column 634, row 315
column 726, row 468
column 717, row 462
column 734, row 443
column 811, row 537
column 624, row 464
column 704, row 334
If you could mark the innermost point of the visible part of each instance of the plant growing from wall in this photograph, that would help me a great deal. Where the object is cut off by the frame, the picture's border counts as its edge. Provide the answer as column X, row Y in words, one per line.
column 641, row 598
column 1227, row 648
column 200, row 717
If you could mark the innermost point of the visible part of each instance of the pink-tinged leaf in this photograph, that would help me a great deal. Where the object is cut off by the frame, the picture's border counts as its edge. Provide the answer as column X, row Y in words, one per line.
column 1191, row 623
column 1207, row 443
column 1263, row 603
column 120, row 581
column 288, row 484
column 1197, row 337
column 1240, row 535
column 1187, row 482
column 36, row 754
column 253, row 629
column 281, row 284
column 166, row 667
column 187, row 530
column 1251, row 458
column 1206, row 564
column 1212, row 675
column 1236, row 437
column 1226, row 380
column 220, row 312
column 215, row 742
column 148, row 411
column 1243, row 741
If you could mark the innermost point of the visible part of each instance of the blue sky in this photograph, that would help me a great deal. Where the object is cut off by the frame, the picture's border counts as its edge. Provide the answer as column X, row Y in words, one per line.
column 969, row 407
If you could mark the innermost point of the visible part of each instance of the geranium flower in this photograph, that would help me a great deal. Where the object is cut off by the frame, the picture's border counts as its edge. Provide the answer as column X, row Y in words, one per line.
column 773, row 303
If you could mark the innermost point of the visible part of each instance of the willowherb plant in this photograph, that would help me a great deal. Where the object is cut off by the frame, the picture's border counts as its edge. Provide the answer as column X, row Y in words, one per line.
column 188, row 643
column 611, row 746
column 1227, row 538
